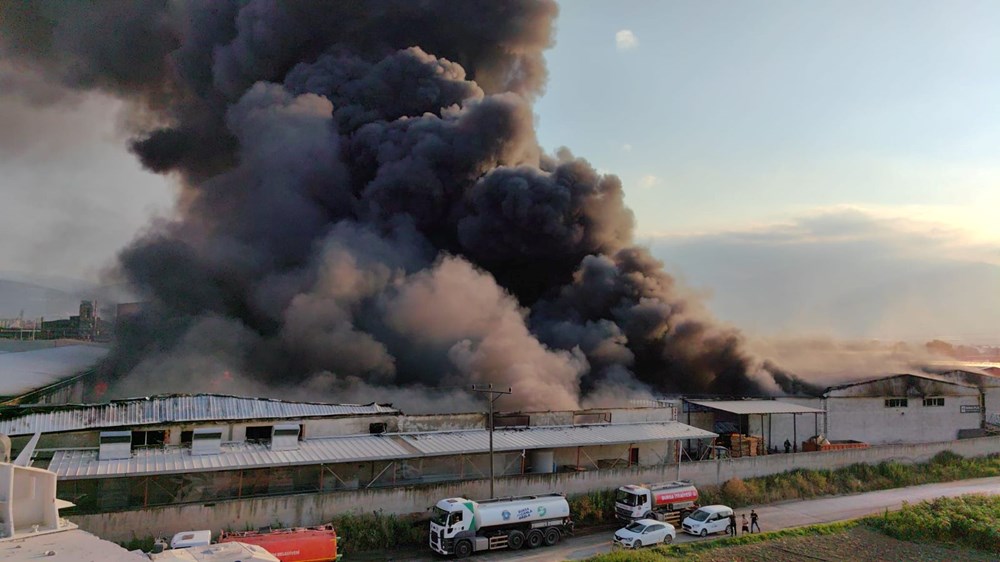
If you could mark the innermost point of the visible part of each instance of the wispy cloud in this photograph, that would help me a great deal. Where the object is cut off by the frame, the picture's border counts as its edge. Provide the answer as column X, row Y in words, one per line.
column 647, row 181
column 848, row 272
column 626, row 147
column 625, row 40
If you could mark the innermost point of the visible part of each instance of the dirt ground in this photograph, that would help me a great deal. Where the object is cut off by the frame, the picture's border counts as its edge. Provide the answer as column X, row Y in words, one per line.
column 857, row 544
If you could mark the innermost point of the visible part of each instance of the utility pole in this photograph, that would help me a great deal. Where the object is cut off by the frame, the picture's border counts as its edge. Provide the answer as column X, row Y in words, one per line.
column 494, row 395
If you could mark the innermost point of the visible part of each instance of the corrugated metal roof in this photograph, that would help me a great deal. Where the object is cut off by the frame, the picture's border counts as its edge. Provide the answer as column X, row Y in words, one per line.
column 172, row 408
column 476, row 441
column 755, row 406
column 925, row 376
column 24, row 371
column 83, row 463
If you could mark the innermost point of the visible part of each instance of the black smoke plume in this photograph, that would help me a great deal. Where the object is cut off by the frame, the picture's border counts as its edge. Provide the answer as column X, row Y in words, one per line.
column 364, row 203
column 792, row 384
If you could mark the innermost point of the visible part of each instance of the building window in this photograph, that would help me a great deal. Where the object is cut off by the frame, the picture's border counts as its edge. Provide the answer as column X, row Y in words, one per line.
column 142, row 439
column 934, row 401
column 186, row 437
column 511, row 420
column 896, row 403
column 259, row 433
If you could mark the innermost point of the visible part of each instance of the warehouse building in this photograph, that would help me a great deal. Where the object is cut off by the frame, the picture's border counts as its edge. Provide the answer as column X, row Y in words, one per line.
column 48, row 372
column 989, row 387
column 165, row 450
column 763, row 423
column 904, row 408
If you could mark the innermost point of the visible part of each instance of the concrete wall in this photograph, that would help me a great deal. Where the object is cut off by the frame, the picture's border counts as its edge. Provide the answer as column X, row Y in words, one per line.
column 869, row 420
column 310, row 509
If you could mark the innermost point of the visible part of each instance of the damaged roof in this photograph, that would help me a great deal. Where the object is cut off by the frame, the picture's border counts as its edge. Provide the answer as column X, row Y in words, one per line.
column 168, row 408
column 751, row 406
column 904, row 384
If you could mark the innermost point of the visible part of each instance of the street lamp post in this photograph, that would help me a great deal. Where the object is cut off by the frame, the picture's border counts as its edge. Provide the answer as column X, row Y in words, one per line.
column 494, row 395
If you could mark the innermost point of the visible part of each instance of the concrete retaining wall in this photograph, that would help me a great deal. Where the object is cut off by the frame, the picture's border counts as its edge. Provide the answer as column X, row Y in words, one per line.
column 310, row 509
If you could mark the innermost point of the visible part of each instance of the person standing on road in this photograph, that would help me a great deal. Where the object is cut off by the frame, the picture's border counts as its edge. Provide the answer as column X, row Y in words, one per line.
column 746, row 524
column 753, row 521
column 788, row 446
column 732, row 523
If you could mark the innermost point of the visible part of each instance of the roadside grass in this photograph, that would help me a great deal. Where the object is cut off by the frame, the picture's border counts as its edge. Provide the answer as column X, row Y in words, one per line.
column 378, row 531
column 967, row 521
column 684, row 551
column 595, row 508
column 803, row 484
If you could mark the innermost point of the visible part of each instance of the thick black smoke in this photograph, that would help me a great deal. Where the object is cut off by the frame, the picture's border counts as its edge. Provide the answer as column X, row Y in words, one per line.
column 792, row 384
column 364, row 200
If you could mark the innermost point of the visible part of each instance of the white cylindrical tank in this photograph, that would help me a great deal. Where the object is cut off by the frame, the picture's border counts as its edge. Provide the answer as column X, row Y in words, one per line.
column 542, row 461
column 522, row 510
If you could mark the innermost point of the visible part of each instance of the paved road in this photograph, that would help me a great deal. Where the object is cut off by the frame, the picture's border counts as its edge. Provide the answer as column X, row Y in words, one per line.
column 772, row 517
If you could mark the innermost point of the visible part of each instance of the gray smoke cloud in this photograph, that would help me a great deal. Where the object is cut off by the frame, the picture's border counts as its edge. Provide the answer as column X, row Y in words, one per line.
column 364, row 206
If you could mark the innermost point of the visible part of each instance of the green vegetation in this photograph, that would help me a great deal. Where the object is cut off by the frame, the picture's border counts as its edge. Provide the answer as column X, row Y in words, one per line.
column 802, row 484
column 378, row 531
column 595, row 508
column 684, row 551
column 969, row 521
column 144, row 545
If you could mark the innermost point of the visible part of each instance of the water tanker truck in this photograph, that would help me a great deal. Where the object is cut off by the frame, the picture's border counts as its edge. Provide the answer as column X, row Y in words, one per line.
column 664, row 501
column 461, row 526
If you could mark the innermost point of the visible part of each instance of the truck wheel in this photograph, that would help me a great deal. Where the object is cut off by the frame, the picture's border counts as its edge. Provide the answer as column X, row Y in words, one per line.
column 515, row 540
column 463, row 549
column 535, row 538
column 552, row 536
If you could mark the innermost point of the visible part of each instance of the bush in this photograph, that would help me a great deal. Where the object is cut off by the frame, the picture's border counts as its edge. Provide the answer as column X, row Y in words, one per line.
column 969, row 521
column 378, row 531
column 803, row 484
column 595, row 508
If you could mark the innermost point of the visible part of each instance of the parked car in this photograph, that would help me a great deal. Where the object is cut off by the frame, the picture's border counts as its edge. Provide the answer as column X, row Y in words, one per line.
column 707, row 520
column 644, row 532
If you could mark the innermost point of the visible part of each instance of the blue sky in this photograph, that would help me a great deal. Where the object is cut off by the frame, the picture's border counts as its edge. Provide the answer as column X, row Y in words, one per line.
column 731, row 115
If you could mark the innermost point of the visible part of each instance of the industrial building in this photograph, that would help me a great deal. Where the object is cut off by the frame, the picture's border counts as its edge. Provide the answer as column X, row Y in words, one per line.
column 48, row 372
column 903, row 408
column 753, row 417
column 175, row 449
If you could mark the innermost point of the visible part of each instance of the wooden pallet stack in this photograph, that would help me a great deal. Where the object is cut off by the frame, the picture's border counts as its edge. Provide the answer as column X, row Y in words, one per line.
column 745, row 445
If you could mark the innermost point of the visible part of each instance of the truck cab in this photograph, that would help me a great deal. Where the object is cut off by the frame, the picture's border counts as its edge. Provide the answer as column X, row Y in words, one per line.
column 633, row 502
column 451, row 518
column 663, row 501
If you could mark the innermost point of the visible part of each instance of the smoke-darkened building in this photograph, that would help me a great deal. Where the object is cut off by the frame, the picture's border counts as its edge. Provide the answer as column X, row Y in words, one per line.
column 87, row 325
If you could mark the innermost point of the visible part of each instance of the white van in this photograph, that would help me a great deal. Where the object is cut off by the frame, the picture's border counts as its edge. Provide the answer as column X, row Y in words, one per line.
column 707, row 520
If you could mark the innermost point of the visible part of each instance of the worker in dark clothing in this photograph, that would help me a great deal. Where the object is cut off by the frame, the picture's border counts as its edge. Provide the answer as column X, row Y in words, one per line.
column 753, row 521
column 732, row 524
column 788, row 446
column 746, row 524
